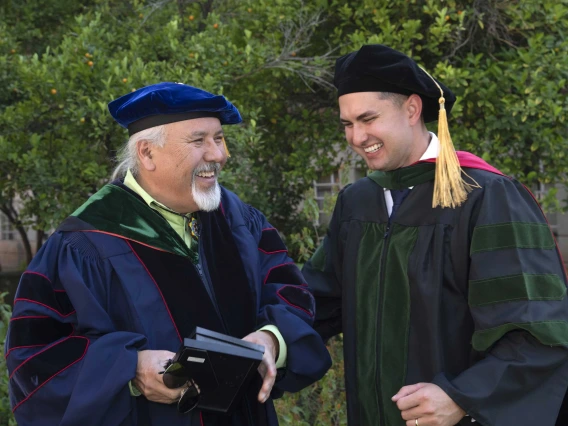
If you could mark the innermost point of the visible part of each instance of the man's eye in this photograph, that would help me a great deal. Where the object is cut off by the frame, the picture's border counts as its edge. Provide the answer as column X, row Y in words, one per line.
column 347, row 124
column 368, row 120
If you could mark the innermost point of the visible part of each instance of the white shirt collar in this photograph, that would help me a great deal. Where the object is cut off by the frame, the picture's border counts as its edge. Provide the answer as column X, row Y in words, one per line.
column 433, row 148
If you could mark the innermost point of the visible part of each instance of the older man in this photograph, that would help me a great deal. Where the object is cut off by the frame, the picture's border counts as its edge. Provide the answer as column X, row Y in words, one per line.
column 160, row 250
column 451, row 303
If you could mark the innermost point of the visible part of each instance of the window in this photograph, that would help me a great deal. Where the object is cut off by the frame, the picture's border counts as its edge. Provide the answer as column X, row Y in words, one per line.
column 6, row 229
column 540, row 192
column 324, row 188
column 328, row 186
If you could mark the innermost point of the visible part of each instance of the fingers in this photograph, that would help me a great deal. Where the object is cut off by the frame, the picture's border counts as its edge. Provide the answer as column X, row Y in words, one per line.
column 416, row 412
column 267, row 370
column 422, row 421
column 157, row 392
column 429, row 404
column 407, row 390
column 149, row 381
column 267, row 367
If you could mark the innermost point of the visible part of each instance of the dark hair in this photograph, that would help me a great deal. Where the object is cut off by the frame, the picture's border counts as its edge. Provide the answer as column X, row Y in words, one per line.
column 396, row 98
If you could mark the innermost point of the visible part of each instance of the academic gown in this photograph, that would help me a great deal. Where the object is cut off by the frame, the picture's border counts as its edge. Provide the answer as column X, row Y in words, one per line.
column 472, row 299
column 115, row 279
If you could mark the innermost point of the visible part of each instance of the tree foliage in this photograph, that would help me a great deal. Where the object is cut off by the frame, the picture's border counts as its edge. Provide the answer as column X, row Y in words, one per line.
column 61, row 62
column 60, row 66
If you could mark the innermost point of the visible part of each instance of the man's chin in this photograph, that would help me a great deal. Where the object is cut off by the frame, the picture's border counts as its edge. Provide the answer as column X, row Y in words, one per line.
column 205, row 184
column 208, row 198
column 376, row 166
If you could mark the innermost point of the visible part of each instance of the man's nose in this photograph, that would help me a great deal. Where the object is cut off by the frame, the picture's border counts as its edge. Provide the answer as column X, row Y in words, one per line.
column 359, row 135
column 215, row 152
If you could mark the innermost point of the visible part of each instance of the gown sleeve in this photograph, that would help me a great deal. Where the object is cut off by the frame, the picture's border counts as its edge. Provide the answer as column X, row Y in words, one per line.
column 67, row 363
column 323, row 272
column 287, row 303
column 517, row 299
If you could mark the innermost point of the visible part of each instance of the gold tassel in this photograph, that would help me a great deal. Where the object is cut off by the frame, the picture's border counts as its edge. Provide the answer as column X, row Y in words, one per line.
column 450, row 190
column 226, row 149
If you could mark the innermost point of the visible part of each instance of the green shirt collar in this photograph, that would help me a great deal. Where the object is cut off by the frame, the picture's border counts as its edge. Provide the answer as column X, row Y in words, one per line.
column 177, row 221
column 131, row 182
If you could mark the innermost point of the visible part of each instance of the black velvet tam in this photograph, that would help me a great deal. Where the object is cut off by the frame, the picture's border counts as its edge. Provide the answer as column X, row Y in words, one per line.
column 378, row 68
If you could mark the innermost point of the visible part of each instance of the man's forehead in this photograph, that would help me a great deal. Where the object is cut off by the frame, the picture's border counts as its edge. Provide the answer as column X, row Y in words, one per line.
column 354, row 104
column 197, row 127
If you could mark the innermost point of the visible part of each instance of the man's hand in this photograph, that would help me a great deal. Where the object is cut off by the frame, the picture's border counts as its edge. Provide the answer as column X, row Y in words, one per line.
column 149, row 382
column 267, row 367
column 429, row 404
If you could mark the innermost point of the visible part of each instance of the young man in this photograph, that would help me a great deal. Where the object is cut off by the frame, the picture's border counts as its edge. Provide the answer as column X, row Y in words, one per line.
column 162, row 249
column 443, row 276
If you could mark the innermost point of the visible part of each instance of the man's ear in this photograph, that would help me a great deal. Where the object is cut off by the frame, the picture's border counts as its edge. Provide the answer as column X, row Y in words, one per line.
column 144, row 151
column 414, row 108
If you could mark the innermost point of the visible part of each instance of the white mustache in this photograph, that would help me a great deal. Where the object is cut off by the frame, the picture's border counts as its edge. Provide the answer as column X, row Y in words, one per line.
column 207, row 167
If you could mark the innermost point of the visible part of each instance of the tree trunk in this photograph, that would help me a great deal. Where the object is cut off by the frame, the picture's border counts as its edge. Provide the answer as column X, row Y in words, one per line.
column 205, row 11
column 40, row 234
column 26, row 242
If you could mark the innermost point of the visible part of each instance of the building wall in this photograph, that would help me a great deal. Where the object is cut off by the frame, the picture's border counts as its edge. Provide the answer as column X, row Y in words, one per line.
column 12, row 253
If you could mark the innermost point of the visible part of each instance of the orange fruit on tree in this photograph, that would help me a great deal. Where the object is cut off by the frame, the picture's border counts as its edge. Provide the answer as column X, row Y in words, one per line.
column 215, row 26
column 53, row 92
column 191, row 17
column 90, row 63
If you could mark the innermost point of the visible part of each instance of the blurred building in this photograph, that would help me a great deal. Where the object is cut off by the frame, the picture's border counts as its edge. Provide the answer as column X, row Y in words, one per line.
column 12, row 253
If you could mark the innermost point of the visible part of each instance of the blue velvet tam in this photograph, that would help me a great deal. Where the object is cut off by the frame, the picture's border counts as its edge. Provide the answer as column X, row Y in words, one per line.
column 165, row 103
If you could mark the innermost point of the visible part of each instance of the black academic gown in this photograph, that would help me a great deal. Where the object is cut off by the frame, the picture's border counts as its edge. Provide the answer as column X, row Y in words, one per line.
column 472, row 299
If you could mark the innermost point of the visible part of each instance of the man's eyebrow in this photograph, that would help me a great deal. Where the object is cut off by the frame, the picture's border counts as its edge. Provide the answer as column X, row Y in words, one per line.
column 201, row 133
column 366, row 114
column 360, row 117
column 198, row 134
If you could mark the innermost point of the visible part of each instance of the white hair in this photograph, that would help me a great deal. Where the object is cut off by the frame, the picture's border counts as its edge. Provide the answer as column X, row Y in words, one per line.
column 127, row 157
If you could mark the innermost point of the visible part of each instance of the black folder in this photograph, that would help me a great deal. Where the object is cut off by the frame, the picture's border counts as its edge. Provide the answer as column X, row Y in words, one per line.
column 222, row 367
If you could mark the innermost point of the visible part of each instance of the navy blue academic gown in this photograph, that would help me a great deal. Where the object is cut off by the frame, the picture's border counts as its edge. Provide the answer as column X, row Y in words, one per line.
column 115, row 279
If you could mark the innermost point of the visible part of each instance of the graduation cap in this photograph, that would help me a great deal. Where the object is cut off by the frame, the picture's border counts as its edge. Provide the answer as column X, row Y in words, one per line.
column 220, row 366
column 378, row 68
column 165, row 103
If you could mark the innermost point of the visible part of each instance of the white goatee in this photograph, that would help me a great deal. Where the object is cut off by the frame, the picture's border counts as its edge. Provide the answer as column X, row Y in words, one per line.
column 207, row 200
